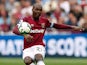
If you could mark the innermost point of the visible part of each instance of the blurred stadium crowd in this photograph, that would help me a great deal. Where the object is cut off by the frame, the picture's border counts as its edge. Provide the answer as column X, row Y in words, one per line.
column 71, row 12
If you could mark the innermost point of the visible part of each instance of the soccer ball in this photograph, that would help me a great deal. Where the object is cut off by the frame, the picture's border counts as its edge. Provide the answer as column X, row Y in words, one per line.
column 24, row 27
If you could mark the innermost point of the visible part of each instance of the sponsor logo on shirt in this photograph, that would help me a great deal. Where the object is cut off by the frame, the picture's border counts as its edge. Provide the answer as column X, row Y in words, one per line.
column 37, row 31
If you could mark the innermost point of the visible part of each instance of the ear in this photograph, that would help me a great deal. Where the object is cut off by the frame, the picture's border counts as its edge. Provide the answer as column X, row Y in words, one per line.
column 32, row 9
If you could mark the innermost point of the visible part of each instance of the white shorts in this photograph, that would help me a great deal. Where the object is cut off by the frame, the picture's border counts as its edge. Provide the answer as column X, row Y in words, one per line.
column 32, row 51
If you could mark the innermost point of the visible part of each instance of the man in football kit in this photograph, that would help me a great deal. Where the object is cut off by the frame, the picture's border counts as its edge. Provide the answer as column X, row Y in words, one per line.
column 34, row 47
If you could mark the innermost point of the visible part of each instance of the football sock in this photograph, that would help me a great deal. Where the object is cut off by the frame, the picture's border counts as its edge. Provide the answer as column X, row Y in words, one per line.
column 40, row 63
column 32, row 64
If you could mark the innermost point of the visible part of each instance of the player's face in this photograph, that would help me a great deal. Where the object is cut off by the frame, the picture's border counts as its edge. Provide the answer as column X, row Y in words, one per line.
column 37, row 10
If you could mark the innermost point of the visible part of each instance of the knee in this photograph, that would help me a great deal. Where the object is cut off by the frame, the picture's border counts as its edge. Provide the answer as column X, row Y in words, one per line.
column 38, row 57
column 27, row 60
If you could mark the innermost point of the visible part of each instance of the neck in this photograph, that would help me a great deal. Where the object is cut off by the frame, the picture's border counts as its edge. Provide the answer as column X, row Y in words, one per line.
column 36, row 19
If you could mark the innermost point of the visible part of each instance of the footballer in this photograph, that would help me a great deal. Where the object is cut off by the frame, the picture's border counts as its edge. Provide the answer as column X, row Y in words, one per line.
column 34, row 47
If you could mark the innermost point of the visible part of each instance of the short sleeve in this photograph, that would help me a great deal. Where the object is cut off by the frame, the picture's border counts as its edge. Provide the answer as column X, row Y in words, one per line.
column 48, row 24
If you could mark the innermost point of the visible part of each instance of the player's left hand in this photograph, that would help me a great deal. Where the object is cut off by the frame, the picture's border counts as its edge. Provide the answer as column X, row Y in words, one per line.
column 84, row 30
column 77, row 28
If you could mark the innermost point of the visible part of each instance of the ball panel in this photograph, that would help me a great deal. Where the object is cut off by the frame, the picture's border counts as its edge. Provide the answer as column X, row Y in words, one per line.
column 24, row 28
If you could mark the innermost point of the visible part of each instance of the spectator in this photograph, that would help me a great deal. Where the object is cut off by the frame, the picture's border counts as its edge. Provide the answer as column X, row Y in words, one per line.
column 5, row 28
column 10, row 5
column 71, row 12
column 57, row 13
column 27, row 10
column 14, row 21
column 72, row 19
column 83, row 20
column 65, row 5
column 50, row 5
column 77, row 11
column 17, row 10
column 3, row 2
column 4, row 16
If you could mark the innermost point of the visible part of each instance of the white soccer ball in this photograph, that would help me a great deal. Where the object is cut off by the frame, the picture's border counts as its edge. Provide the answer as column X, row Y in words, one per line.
column 24, row 27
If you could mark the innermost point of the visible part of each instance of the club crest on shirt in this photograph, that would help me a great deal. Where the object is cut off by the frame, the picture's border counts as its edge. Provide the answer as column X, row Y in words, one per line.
column 43, row 25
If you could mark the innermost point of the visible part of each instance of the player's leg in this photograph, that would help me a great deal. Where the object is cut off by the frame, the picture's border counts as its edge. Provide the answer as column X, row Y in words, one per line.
column 39, row 59
column 28, row 56
column 32, row 63
column 28, row 60
column 39, row 52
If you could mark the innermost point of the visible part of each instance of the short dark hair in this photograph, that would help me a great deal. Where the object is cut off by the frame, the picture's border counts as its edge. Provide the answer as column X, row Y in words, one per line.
column 39, row 5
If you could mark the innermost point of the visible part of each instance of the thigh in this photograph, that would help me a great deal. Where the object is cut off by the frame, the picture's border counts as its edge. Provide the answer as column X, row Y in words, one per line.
column 28, row 53
column 38, row 49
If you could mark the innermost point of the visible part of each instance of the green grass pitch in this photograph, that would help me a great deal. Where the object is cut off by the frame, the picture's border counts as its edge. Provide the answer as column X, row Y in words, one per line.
column 48, row 61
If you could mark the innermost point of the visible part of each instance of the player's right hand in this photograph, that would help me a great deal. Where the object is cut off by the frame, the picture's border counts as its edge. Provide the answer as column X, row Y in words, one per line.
column 28, row 38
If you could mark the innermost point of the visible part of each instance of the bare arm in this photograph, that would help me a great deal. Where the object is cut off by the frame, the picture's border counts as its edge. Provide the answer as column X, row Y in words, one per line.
column 64, row 26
